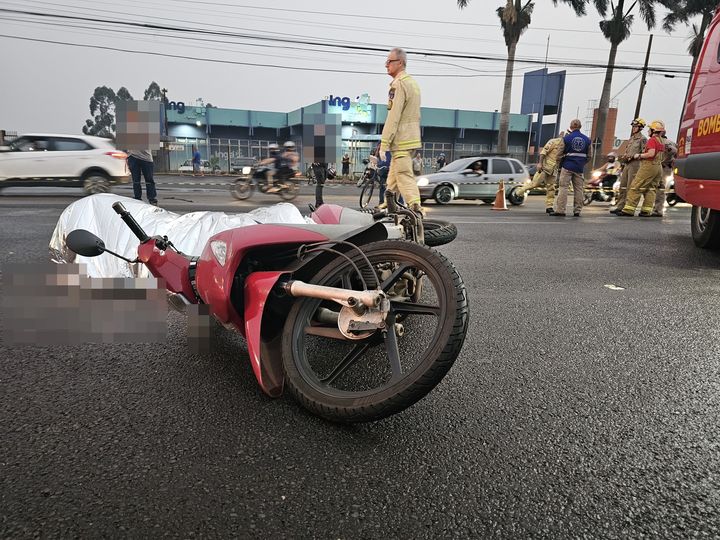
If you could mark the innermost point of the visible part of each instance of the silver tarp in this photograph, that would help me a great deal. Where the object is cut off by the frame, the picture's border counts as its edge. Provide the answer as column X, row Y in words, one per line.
column 188, row 232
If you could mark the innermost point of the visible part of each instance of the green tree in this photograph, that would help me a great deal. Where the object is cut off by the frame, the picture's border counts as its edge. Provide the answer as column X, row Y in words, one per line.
column 153, row 92
column 682, row 12
column 616, row 26
column 102, row 107
column 515, row 17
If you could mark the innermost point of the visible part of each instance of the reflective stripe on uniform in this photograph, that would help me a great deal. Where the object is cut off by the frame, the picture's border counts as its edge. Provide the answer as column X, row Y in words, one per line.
column 575, row 154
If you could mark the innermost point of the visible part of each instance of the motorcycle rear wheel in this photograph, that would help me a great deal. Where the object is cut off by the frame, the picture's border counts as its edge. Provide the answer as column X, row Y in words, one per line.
column 385, row 372
column 289, row 190
column 242, row 189
column 367, row 193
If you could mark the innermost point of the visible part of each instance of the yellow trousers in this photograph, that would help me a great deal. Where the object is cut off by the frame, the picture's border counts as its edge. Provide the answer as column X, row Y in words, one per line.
column 545, row 179
column 401, row 178
column 644, row 184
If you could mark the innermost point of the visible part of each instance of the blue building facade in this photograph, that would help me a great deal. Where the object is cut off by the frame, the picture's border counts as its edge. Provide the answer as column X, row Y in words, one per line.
column 224, row 135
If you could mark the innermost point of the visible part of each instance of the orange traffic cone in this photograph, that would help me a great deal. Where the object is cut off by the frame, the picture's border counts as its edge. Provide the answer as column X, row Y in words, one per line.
column 500, row 203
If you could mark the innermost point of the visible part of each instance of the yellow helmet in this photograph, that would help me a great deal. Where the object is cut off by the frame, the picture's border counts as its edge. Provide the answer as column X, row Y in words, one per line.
column 639, row 122
column 657, row 125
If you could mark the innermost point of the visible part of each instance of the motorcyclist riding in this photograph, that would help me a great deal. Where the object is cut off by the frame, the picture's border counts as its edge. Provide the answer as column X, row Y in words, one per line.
column 273, row 164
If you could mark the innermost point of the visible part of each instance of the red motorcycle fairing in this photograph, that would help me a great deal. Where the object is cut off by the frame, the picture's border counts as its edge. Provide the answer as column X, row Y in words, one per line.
column 168, row 265
column 261, row 329
column 214, row 281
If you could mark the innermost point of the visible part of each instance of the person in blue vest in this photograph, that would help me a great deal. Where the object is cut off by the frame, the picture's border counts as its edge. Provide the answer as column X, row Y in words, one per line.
column 578, row 150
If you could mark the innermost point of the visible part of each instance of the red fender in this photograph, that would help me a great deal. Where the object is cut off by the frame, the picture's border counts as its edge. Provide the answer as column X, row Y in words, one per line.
column 265, row 356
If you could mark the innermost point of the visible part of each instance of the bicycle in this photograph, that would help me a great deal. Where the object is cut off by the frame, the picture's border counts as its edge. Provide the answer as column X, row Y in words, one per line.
column 368, row 181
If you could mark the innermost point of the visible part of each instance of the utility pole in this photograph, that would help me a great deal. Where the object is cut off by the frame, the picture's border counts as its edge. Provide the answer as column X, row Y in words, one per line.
column 644, row 76
column 166, row 138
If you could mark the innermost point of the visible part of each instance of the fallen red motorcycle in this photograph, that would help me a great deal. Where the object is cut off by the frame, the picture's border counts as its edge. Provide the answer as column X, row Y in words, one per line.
column 357, row 326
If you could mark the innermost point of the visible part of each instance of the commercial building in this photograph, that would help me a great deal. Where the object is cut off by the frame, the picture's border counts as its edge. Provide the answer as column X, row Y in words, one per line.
column 339, row 124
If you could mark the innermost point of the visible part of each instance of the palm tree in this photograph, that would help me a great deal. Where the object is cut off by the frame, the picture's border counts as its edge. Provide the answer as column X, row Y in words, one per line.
column 616, row 29
column 685, row 10
column 514, row 20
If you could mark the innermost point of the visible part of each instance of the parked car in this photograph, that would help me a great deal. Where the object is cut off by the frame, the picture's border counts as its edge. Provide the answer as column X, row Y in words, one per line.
column 242, row 165
column 92, row 163
column 697, row 166
column 474, row 178
column 205, row 167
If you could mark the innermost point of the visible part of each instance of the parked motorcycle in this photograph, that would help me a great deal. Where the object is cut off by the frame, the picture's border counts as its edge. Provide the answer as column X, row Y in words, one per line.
column 285, row 179
column 356, row 326
column 671, row 196
column 600, row 188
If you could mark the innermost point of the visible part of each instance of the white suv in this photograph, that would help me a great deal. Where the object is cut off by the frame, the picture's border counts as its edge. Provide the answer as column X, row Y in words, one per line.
column 92, row 163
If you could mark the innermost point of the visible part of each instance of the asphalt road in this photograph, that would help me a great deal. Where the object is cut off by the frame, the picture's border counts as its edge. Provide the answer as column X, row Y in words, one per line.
column 574, row 409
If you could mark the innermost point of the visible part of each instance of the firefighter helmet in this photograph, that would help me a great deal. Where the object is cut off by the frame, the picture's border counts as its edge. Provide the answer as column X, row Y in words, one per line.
column 657, row 125
column 640, row 122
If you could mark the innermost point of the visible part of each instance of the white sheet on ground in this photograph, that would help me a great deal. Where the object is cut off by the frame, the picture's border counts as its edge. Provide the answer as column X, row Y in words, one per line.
column 189, row 232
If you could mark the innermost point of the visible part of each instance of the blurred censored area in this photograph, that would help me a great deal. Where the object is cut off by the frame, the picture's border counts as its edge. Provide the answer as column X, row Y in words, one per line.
column 321, row 137
column 57, row 304
column 138, row 125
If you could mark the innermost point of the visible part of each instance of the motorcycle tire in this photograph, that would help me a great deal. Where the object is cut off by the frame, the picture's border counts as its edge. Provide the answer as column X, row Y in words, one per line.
column 380, row 372
column 242, row 189
column 289, row 190
column 366, row 194
column 515, row 199
column 438, row 233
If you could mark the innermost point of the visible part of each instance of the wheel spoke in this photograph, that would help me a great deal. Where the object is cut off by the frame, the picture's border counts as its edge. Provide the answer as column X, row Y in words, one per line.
column 391, row 345
column 350, row 358
column 389, row 282
column 416, row 309
column 346, row 282
column 325, row 331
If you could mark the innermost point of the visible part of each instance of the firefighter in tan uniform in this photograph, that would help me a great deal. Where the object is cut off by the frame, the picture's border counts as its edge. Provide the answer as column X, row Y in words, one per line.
column 401, row 133
column 648, row 175
column 547, row 170
column 630, row 165
column 670, row 153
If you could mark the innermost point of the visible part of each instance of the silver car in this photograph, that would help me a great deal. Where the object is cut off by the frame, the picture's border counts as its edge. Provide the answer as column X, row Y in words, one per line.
column 475, row 178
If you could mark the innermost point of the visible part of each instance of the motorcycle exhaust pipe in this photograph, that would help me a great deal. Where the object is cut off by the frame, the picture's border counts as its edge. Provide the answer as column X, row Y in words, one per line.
column 357, row 300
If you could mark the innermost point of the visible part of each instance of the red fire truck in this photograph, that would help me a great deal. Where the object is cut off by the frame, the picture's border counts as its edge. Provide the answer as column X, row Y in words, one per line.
column 697, row 167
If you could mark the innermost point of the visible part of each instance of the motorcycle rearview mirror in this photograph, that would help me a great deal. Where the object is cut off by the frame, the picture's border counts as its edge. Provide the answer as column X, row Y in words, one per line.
column 87, row 244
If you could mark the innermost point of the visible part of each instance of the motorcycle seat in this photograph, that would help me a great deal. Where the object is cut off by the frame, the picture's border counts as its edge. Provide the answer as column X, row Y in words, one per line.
column 337, row 231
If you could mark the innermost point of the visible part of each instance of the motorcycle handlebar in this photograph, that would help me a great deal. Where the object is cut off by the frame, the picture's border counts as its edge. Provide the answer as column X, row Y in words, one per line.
column 130, row 222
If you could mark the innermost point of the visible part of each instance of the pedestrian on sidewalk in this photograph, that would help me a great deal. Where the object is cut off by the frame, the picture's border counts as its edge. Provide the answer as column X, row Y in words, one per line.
column 141, row 162
column 197, row 162
column 576, row 153
column 345, row 166
column 320, row 172
column 417, row 164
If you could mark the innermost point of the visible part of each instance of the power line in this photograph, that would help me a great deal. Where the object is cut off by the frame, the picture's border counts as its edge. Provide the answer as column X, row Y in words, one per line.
column 377, row 17
column 365, row 48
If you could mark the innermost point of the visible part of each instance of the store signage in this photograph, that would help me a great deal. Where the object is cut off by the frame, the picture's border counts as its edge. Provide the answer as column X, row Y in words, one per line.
column 335, row 101
column 178, row 106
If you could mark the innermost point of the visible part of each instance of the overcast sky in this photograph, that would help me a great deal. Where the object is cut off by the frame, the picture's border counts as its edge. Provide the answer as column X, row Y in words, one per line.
column 46, row 87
